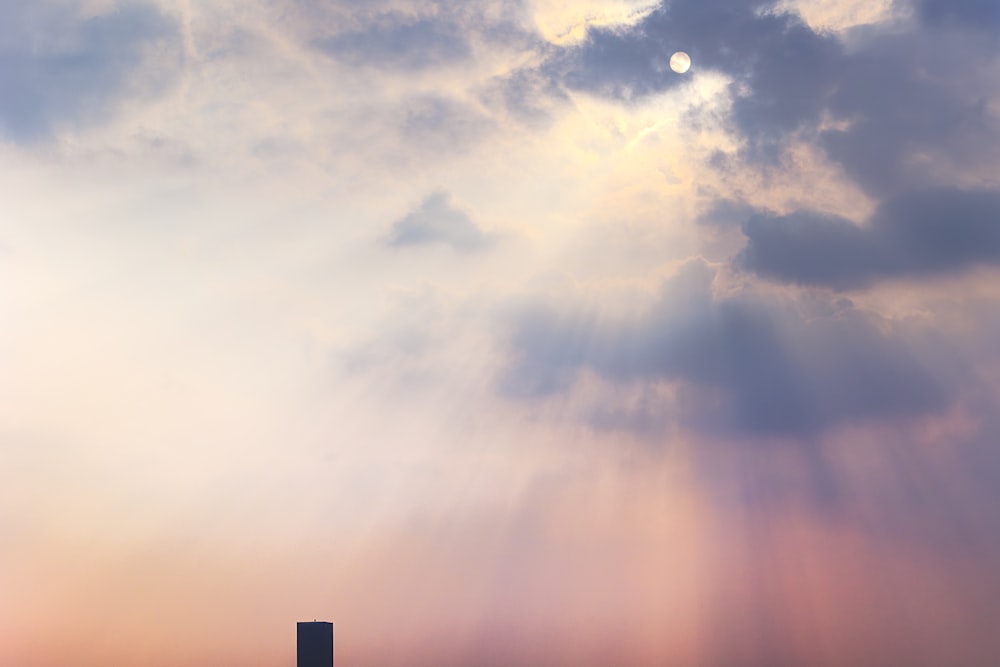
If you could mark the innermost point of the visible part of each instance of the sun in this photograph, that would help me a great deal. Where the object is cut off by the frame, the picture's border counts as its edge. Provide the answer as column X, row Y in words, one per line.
column 680, row 62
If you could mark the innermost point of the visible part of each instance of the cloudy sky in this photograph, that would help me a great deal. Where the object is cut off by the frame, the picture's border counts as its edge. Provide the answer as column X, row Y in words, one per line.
column 472, row 327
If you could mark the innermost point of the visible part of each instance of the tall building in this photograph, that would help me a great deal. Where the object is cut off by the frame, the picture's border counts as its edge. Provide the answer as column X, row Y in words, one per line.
column 315, row 644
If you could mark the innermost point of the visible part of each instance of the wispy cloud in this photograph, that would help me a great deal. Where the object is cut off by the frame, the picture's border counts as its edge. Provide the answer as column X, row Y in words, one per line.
column 400, row 42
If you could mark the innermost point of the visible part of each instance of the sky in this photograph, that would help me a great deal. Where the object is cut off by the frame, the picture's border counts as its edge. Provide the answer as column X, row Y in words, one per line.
column 473, row 328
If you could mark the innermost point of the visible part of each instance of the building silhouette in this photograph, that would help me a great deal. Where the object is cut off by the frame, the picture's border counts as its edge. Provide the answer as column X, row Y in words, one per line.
column 315, row 644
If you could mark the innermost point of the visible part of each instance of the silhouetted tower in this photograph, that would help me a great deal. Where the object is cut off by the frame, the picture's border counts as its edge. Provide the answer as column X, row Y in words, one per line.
column 315, row 644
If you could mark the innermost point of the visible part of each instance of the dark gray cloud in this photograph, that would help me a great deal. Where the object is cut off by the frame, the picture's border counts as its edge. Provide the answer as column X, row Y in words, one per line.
column 910, row 103
column 906, row 109
column 926, row 232
column 59, row 68
column 401, row 42
column 782, row 69
column 438, row 221
column 748, row 363
column 811, row 248
column 725, row 213
column 982, row 14
column 915, row 111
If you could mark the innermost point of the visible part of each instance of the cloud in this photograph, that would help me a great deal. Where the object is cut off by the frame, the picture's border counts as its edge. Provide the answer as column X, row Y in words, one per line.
column 412, row 36
column 400, row 42
column 444, row 125
column 750, row 363
column 725, row 214
column 59, row 68
column 926, row 232
column 781, row 64
column 914, row 112
column 527, row 94
column 897, row 107
column 982, row 14
column 438, row 221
